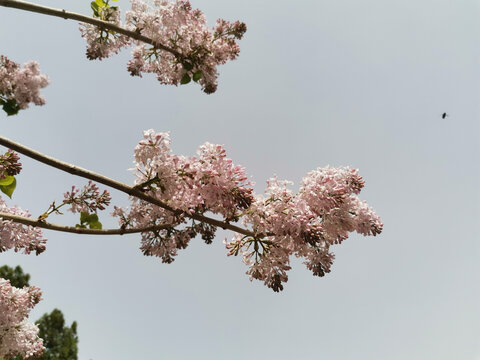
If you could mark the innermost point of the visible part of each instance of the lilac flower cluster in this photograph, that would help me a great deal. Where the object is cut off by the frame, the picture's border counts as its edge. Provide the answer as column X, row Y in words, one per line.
column 88, row 200
column 197, row 50
column 17, row 236
column 103, row 43
column 209, row 182
column 17, row 336
column 20, row 86
column 195, row 185
column 9, row 164
column 324, row 211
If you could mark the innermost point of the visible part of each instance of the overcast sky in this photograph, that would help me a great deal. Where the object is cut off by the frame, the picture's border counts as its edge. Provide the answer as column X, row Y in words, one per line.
column 344, row 82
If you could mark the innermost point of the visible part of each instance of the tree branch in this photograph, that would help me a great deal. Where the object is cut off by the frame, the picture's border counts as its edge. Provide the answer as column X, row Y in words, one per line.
column 130, row 190
column 23, row 5
column 70, row 229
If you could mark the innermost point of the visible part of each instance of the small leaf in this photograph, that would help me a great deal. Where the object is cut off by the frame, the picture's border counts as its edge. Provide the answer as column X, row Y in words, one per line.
column 100, row 3
column 185, row 79
column 80, row 226
column 94, row 7
column 92, row 218
column 197, row 75
column 7, row 180
column 11, row 107
column 83, row 217
column 95, row 225
column 187, row 65
column 9, row 189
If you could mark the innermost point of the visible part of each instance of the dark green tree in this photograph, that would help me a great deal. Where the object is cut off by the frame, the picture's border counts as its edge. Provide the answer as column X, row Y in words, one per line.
column 16, row 276
column 60, row 341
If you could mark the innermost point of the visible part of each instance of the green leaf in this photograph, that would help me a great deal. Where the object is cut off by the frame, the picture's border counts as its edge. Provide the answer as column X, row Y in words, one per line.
column 95, row 225
column 7, row 180
column 92, row 218
column 185, row 79
column 11, row 107
column 9, row 189
column 100, row 3
column 197, row 76
column 89, row 219
column 83, row 217
column 187, row 65
column 94, row 7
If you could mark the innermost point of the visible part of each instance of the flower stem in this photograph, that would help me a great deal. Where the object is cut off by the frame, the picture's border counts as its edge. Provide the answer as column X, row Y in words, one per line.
column 130, row 190
column 77, row 230
column 23, row 5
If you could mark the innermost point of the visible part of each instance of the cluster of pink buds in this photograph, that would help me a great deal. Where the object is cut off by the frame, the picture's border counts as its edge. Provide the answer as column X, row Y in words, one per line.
column 18, row 337
column 195, row 50
column 88, row 200
column 9, row 164
column 20, row 86
column 281, row 224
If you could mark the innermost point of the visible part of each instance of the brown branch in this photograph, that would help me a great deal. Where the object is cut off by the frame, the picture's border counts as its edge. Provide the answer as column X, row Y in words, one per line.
column 130, row 190
column 23, row 5
column 70, row 229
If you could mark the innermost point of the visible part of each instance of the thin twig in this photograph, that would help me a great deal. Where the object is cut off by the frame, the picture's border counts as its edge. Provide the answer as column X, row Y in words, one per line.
column 23, row 5
column 130, row 190
column 77, row 230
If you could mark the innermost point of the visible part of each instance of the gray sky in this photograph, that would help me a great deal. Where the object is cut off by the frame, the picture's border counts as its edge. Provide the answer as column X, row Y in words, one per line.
column 345, row 82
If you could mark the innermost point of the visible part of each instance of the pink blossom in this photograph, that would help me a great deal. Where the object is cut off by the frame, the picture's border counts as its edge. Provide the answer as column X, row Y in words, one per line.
column 196, row 50
column 326, row 188
column 17, row 336
column 324, row 212
column 17, row 236
column 21, row 84
column 103, row 43
column 183, row 29
column 209, row 182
